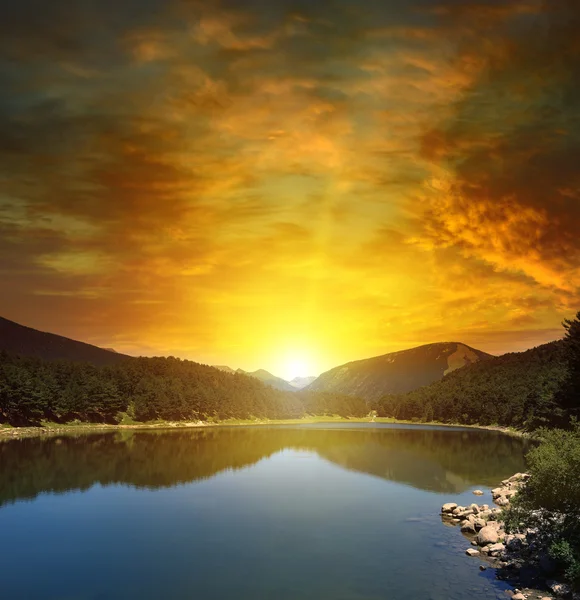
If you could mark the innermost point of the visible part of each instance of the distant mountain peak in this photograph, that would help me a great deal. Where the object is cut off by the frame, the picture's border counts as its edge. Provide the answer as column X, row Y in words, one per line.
column 302, row 382
column 224, row 368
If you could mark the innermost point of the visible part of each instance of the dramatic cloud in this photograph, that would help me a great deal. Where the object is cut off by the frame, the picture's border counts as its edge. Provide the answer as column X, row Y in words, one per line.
column 240, row 182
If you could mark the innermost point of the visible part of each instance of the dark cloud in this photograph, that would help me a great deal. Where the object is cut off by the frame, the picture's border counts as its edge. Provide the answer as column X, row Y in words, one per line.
column 513, row 146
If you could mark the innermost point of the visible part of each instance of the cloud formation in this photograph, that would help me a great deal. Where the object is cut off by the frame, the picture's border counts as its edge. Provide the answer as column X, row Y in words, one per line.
column 243, row 182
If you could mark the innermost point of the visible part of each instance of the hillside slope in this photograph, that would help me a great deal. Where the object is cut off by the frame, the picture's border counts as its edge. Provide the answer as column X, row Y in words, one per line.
column 512, row 389
column 397, row 372
column 19, row 339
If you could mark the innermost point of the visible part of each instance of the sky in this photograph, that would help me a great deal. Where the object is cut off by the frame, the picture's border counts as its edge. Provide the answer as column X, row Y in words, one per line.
column 288, row 184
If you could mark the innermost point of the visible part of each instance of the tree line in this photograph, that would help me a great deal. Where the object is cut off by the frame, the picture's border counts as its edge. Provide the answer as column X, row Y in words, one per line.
column 540, row 387
column 147, row 389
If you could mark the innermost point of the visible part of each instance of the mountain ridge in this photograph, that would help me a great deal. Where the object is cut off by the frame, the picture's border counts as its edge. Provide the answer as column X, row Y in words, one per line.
column 397, row 372
column 27, row 341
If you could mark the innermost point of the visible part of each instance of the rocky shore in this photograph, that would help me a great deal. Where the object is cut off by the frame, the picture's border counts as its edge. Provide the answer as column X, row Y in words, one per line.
column 520, row 558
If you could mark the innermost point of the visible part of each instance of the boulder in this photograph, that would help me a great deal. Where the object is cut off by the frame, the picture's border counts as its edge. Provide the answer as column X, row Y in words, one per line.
column 559, row 589
column 519, row 477
column 474, row 508
column 513, row 544
column 518, row 596
column 467, row 527
column 484, row 507
column 496, row 548
column 478, row 492
column 472, row 552
column 449, row 507
column 502, row 501
column 487, row 535
column 479, row 524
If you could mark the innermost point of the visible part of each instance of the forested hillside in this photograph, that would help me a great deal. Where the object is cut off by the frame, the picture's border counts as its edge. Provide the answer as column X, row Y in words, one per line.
column 145, row 389
column 517, row 389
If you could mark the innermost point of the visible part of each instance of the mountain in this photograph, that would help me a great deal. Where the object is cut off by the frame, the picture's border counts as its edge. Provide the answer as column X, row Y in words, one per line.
column 397, row 372
column 18, row 339
column 302, row 382
column 264, row 376
column 517, row 389
column 224, row 368
column 269, row 379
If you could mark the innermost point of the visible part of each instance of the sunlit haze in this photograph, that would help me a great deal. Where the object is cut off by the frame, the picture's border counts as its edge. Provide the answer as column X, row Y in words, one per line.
column 282, row 186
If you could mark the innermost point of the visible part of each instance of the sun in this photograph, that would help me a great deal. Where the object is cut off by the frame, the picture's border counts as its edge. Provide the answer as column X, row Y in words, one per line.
column 296, row 367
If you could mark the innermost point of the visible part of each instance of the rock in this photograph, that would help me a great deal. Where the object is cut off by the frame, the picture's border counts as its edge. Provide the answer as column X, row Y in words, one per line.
column 472, row 552
column 513, row 543
column 474, row 508
column 479, row 524
column 467, row 527
column 502, row 501
column 518, row 596
column 487, row 535
column 449, row 507
column 482, row 568
column 519, row 477
column 457, row 510
column 473, row 543
column 496, row 548
column 478, row 492
column 560, row 589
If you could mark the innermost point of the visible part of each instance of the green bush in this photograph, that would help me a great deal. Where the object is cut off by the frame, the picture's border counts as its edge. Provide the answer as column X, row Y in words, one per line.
column 567, row 558
column 554, row 467
column 550, row 500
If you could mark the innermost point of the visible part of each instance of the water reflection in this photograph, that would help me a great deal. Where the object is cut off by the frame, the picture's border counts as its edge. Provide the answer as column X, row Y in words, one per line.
column 439, row 460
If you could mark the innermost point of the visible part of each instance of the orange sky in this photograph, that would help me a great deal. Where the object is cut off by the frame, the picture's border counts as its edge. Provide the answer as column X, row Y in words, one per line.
column 260, row 184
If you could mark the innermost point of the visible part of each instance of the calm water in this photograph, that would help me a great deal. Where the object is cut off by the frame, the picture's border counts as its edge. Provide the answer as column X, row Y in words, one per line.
column 325, row 512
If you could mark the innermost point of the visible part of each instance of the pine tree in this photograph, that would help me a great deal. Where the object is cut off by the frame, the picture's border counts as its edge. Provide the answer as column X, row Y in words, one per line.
column 569, row 395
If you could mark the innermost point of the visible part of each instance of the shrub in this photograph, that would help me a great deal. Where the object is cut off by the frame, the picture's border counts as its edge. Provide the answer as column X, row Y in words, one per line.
column 554, row 467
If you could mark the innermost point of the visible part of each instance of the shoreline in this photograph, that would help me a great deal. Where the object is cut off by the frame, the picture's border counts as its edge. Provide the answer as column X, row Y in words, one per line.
column 483, row 527
column 10, row 432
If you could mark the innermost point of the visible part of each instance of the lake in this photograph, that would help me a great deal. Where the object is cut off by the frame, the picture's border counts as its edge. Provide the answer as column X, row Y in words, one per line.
column 314, row 512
